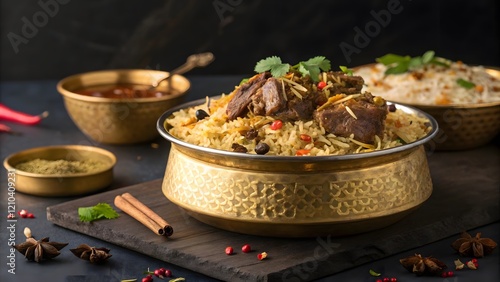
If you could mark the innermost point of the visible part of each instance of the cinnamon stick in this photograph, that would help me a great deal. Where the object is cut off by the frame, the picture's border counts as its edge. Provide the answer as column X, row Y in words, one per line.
column 133, row 207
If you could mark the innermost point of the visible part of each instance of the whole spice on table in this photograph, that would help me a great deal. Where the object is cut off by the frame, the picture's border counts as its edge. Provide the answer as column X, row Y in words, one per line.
column 92, row 254
column 423, row 265
column 9, row 114
column 60, row 167
column 39, row 250
column 476, row 246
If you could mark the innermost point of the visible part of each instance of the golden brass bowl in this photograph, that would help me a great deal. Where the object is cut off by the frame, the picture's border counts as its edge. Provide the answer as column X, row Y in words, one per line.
column 296, row 196
column 119, row 121
column 60, row 185
column 462, row 127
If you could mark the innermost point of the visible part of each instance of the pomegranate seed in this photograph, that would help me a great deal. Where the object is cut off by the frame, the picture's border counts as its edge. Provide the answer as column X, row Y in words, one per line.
column 305, row 137
column 262, row 256
column 474, row 260
column 229, row 251
column 30, row 215
column 246, row 248
column 277, row 124
column 159, row 272
column 11, row 215
column 321, row 85
column 394, row 279
column 450, row 273
column 386, row 279
column 168, row 273
column 379, row 280
column 444, row 274
column 23, row 213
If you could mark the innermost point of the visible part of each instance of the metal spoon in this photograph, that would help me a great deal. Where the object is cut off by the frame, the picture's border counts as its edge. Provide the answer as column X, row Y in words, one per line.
column 193, row 61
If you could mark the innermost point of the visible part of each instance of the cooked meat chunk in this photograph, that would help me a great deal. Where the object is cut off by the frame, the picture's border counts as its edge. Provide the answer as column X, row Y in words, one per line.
column 348, row 84
column 269, row 99
column 368, row 121
column 297, row 109
column 238, row 106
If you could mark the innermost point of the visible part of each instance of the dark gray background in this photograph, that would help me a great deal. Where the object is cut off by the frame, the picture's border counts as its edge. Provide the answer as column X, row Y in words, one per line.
column 79, row 36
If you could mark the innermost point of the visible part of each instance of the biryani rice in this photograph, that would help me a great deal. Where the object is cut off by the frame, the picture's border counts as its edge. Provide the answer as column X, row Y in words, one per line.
column 432, row 85
column 217, row 132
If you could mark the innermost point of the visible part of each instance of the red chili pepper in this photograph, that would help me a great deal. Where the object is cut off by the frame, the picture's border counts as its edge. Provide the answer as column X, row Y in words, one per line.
column 302, row 152
column 321, row 85
column 277, row 124
column 12, row 115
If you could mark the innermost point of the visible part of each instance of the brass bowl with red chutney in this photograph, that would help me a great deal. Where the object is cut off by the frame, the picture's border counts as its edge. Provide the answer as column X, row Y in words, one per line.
column 119, row 106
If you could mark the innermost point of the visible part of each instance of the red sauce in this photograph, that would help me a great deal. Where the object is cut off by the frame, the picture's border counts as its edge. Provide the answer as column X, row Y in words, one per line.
column 123, row 91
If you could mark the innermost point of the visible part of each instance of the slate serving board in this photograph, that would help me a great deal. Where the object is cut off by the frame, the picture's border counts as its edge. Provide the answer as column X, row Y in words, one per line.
column 466, row 195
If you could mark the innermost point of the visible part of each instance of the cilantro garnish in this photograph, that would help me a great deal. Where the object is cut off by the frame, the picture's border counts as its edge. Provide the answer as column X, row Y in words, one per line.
column 400, row 64
column 465, row 84
column 311, row 67
column 274, row 65
column 99, row 211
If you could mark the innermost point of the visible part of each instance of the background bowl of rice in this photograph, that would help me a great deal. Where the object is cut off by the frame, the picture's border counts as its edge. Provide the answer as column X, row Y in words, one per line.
column 296, row 196
column 468, row 122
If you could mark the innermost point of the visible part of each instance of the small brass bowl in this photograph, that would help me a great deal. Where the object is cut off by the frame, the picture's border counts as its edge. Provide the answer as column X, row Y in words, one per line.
column 297, row 196
column 119, row 121
column 51, row 185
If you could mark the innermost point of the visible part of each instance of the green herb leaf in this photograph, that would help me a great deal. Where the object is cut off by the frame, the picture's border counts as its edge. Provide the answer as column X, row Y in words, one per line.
column 374, row 273
column 177, row 279
column 314, row 66
column 400, row 64
column 244, row 80
column 272, row 64
column 465, row 84
column 101, row 210
column 347, row 71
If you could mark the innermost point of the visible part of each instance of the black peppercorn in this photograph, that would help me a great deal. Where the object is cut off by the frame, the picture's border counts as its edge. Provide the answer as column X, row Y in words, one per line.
column 201, row 114
column 391, row 108
column 262, row 148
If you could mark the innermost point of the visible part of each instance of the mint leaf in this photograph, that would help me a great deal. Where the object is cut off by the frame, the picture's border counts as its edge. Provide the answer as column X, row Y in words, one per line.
column 427, row 57
column 99, row 211
column 400, row 64
column 465, row 84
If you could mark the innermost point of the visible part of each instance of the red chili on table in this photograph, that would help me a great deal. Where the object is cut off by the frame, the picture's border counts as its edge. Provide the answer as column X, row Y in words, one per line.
column 9, row 114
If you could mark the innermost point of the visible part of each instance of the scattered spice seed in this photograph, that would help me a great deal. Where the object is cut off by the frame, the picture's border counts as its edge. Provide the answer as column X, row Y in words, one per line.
column 229, row 251
column 476, row 246
column 262, row 256
column 458, row 264
column 472, row 265
column 246, row 248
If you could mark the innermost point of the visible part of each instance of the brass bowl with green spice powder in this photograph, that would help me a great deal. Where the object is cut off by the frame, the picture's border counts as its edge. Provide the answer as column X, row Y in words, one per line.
column 66, row 170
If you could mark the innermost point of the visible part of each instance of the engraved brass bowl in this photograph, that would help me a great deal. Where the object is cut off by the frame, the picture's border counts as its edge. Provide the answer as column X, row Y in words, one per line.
column 465, row 126
column 296, row 196
column 50, row 185
column 119, row 121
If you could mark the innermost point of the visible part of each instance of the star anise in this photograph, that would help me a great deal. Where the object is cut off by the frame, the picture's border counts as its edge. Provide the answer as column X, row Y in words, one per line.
column 40, row 250
column 423, row 265
column 476, row 246
column 92, row 254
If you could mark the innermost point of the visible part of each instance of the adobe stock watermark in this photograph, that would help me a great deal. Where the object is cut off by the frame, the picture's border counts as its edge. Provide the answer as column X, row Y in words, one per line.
column 11, row 221
column 310, row 264
column 31, row 26
column 363, row 37
column 223, row 6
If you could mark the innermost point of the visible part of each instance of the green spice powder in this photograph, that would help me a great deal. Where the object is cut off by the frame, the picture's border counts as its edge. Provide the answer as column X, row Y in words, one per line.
column 42, row 166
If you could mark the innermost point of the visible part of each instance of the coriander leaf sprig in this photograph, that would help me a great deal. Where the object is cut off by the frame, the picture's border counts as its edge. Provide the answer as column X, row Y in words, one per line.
column 101, row 210
column 311, row 67
column 400, row 64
